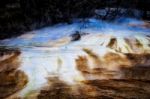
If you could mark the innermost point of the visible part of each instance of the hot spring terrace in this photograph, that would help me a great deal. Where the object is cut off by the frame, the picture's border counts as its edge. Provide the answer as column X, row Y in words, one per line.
column 82, row 60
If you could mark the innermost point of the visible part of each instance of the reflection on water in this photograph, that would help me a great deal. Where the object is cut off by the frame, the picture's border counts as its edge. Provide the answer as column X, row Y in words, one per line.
column 96, row 65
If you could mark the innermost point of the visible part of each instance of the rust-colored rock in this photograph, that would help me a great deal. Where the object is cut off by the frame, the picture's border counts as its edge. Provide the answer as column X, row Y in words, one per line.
column 12, row 80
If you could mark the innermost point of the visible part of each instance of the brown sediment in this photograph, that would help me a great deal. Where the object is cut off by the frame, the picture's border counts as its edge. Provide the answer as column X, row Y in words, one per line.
column 94, row 58
column 81, row 63
column 99, row 89
column 105, row 68
column 138, row 44
column 130, row 44
column 90, row 53
column 121, row 88
column 10, row 63
column 112, row 43
column 12, row 80
column 139, row 59
column 116, row 59
column 133, row 84
column 57, row 90
column 137, row 73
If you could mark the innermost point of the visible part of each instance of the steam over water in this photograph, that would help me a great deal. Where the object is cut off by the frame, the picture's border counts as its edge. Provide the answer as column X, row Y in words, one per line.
column 51, row 52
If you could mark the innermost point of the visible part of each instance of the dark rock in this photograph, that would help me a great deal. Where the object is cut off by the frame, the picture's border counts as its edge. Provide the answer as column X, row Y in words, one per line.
column 76, row 36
